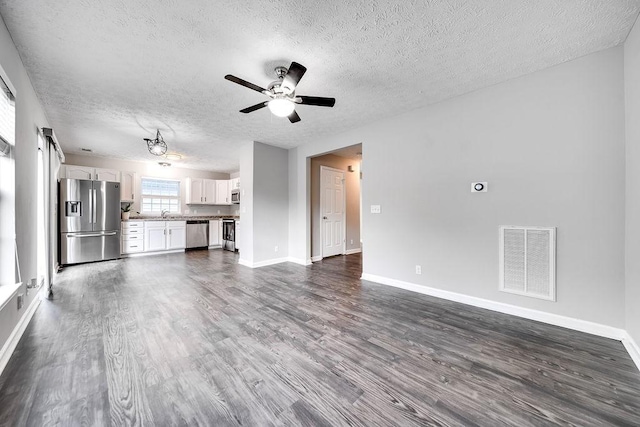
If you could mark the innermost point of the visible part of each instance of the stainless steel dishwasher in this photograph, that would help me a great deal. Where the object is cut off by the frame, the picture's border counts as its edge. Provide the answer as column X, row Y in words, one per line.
column 197, row 234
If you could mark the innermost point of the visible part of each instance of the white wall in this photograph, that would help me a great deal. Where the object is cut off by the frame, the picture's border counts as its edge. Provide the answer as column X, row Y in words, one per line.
column 632, row 98
column 153, row 170
column 270, row 203
column 551, row 146
column 29, row 118
column 352, row 208
column 245, row 236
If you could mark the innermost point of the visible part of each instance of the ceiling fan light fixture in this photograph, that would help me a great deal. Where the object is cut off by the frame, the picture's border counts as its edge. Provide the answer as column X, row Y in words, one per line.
column 281, row 107
column 156, row 146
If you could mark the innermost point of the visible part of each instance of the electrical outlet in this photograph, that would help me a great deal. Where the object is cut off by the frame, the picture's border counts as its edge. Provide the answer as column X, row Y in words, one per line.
column 375, row 209
column 218, row 211
column 195, row 211
column 352, row 241
column 418, row 269
column 275, row 249
column 20, row 301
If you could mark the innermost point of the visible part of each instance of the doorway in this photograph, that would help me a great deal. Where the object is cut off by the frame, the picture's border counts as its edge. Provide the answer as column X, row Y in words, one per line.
column 335, row 203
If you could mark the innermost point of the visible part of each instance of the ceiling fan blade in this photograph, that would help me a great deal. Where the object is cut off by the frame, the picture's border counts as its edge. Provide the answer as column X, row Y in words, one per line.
column 294, row 117
column 244, row 83
column 316, row 100
column 293, row 76
column 254, row 107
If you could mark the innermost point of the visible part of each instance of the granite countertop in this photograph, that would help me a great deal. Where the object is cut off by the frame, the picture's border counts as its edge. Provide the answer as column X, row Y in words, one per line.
column 179, row 217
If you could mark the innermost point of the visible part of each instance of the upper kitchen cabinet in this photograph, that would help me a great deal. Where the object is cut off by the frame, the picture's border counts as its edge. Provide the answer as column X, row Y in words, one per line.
column 85, row 172
column 201, row 191
column 111, row 175
column 127, row 186
column 234, row 184
column 77, row 172
column 223, row 192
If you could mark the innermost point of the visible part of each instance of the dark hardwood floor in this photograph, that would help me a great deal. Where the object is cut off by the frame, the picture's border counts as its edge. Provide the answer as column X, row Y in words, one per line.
column 195, row 339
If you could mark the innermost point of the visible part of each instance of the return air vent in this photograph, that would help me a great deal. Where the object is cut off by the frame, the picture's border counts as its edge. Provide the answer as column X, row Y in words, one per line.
column 528, row 261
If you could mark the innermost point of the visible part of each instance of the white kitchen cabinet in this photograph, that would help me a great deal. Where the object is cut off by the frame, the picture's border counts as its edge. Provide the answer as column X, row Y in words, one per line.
column 78, row 172
column 155, row 236
column 223, row 193
column 176, row 235
column 214, row 233
column 201, row 191
column 194, row 191
column 96, row 174
column 127, row 186
column 132, row 237
column 111, row 175
column 164, row 235
column 209, row 191
column 234, row 183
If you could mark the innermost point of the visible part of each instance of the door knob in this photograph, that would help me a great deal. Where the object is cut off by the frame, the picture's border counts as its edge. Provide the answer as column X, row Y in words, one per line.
column 324, row 217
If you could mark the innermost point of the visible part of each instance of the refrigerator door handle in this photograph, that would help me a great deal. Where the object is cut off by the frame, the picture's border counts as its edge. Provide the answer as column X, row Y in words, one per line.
column 94, row 207
column 108, row 233
column 90, row 206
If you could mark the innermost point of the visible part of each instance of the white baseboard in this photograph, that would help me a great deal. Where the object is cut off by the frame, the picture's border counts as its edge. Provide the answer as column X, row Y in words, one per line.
column 139, row 254
column 316, row 258
column 14, row 338
column 527, row 313
column 262, row 263
column 353, row 251
column 632, row 348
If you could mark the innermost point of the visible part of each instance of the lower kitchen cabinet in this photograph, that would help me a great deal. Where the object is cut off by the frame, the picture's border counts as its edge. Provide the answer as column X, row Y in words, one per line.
column 176, row 235
column 132, row 237
column 164, row 235
column 215, row 233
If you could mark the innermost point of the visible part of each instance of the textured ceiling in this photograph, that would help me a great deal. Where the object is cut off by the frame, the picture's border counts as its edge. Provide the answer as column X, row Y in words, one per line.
column 109, row 72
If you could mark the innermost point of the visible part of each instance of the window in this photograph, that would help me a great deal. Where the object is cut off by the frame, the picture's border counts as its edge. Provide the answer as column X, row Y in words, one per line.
column 159, row 195
column 7, row 186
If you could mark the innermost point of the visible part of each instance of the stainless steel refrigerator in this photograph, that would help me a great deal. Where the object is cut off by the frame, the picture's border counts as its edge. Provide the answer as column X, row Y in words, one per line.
column 89, row 214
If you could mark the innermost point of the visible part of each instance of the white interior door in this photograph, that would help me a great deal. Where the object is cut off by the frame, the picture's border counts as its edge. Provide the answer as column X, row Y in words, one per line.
column 332, row 211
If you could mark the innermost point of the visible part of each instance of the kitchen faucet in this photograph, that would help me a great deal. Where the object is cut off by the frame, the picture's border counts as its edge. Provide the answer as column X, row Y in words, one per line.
column 164, row 213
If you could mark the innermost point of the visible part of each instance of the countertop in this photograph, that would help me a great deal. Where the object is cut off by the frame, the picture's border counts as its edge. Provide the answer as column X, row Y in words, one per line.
column 179, row 218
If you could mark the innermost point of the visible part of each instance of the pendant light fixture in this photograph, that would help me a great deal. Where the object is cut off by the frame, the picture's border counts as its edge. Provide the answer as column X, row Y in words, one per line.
column 156, row 146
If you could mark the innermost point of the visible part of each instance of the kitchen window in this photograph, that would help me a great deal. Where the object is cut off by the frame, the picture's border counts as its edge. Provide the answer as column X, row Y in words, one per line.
column 160, row 195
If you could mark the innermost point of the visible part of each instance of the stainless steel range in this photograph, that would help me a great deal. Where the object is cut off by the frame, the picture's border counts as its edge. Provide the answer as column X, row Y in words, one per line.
column 229, row 235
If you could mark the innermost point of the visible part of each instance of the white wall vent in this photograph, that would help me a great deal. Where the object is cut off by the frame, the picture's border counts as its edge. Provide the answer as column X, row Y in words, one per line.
column 528, row 261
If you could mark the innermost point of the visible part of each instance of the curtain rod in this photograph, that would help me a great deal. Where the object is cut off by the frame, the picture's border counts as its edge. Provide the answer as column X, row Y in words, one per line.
column 51, row 136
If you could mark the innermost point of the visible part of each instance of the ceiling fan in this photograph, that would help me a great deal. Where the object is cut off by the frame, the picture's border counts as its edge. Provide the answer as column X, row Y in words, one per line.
column 283, row 93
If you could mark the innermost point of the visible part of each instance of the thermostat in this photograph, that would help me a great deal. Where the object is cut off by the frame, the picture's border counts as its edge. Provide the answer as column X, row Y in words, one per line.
column 478, row 187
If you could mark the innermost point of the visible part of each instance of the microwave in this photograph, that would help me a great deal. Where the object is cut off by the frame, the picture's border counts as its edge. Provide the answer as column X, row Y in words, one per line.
column 235, row 196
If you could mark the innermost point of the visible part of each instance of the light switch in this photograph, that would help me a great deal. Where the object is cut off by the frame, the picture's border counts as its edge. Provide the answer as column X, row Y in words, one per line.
column 375, row 209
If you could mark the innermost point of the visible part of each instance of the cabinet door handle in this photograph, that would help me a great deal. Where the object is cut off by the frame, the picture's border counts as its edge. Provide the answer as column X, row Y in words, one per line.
column 169, row 231
column 165, row 232
column 131, row 196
